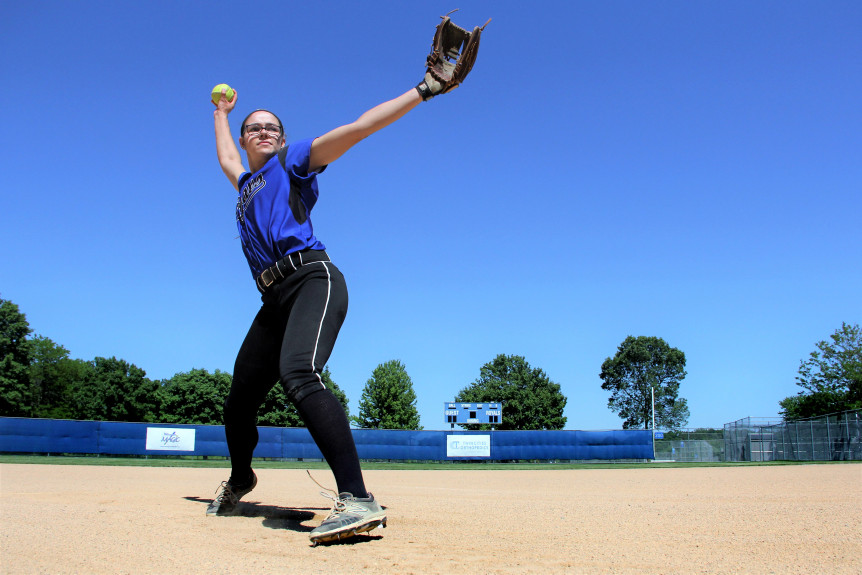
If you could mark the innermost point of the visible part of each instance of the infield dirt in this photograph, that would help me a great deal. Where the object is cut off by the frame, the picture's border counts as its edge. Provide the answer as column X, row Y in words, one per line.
column 107, row 520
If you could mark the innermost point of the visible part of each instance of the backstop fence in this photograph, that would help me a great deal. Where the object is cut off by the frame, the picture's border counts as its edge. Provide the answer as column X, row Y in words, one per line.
column 690, row 445
column 835, row 437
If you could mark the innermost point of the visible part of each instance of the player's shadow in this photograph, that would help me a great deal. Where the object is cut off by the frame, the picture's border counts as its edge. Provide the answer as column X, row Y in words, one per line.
column 290, row 518
column 355, row 540
column 274, row 517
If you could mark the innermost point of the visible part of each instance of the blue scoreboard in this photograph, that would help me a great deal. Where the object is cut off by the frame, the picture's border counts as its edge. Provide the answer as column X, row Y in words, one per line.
column 463, row 413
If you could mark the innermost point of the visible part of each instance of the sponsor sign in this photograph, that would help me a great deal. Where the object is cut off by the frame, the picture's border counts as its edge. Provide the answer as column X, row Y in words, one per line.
column 659, row 434
column 468, row 446
column 170, row 439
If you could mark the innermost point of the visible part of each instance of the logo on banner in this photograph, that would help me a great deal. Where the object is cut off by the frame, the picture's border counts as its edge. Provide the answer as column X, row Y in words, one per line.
column 468, row 446
column 169, row 439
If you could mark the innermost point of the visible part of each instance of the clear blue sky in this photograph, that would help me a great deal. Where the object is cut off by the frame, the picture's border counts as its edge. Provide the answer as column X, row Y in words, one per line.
column 686, row 170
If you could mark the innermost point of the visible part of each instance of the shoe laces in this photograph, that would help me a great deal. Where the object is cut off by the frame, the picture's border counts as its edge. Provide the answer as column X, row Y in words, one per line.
column 338, row 504
column 227, row 494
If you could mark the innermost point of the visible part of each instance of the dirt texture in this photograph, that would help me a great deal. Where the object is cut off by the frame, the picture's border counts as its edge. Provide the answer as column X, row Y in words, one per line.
column 774, row 519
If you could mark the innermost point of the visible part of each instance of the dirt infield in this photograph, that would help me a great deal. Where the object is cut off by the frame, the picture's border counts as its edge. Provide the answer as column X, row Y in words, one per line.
column 777, row 519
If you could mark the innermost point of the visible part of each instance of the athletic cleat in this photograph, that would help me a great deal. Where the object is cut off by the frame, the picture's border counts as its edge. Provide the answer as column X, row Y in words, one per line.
column 226, row 502
column 349, row 516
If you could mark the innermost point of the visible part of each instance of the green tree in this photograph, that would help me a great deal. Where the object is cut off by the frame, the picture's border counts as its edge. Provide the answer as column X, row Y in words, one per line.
column 15, row 390
column 530, row 399
column 277, row 411
column 194, row 397
column 642, row 364
column 116, row 391
column 72, row 375
column 48, row 379
column 388, row 399
column 831, row 377
column 197, row 397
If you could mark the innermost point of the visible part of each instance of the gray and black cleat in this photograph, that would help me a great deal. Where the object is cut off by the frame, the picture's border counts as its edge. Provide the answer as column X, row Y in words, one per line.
column 226, row 501
column 349, row 516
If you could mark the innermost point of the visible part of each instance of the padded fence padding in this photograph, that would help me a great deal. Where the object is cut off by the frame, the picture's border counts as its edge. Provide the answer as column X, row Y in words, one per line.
column 22, row 435
column 118, row 438
column 297, row 444
column 209, row 440
column 549, row 445
column 399, row 444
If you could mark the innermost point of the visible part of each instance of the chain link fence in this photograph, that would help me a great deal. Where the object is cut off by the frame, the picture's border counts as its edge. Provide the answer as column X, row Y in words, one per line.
column 835, row 437
column 690, row 445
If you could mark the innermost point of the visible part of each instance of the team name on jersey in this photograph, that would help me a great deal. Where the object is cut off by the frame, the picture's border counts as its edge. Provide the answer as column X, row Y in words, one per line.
column 251, row 187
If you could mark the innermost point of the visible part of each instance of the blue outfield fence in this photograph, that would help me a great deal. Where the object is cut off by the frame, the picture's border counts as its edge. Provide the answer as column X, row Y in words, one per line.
column 22, row 435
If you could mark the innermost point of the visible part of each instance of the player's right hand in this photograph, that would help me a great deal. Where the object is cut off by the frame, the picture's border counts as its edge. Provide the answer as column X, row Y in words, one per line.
column 225, row 105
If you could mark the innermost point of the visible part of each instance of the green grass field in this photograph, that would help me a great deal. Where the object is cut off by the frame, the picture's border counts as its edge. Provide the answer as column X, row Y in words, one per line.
column 175, row 461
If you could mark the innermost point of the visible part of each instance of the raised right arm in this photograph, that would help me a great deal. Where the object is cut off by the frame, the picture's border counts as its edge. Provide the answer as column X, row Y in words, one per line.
column 228, row 154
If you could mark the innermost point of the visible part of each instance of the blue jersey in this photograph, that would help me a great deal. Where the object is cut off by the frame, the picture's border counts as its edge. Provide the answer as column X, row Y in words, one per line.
column 274, row 206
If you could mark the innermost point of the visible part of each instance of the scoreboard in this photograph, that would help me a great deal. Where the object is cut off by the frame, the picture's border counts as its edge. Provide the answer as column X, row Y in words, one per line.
column 463, row 413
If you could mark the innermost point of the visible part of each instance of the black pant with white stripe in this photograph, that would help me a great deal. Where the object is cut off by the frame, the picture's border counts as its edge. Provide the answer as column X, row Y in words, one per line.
column 290, row 340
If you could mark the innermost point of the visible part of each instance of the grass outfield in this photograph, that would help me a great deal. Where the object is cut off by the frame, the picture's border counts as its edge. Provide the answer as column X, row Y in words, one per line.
column 179, row 461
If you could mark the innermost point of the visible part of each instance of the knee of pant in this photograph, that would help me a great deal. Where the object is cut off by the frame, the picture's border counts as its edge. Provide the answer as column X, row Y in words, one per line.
column 298, row 387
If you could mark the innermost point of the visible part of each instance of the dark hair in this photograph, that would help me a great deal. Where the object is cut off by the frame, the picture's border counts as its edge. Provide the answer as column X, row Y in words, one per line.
column 242, row 127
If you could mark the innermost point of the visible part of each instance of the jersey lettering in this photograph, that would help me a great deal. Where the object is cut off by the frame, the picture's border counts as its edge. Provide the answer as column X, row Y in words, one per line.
column 252, row 187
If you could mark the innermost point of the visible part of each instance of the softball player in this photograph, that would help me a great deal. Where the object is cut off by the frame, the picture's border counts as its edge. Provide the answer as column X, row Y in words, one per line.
column 304, row 302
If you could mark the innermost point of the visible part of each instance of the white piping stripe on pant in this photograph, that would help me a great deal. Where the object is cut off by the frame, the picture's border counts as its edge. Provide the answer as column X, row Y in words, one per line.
column 320, row 326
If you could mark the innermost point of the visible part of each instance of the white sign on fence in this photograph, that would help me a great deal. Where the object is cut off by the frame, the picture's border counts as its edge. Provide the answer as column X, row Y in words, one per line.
column 468, row 446
column 171, row 439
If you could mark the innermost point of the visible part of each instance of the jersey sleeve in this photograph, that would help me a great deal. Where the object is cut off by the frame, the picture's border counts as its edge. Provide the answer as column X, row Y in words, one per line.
column 297, row 159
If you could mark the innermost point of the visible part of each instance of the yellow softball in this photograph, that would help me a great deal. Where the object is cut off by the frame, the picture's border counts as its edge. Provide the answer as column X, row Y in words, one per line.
column 217, row 93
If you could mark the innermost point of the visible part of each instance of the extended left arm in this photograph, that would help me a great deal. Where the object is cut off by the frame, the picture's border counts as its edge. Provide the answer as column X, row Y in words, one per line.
column 332, row 145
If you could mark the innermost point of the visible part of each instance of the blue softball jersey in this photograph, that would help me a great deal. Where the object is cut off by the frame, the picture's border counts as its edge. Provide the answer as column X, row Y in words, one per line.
column 274, row 206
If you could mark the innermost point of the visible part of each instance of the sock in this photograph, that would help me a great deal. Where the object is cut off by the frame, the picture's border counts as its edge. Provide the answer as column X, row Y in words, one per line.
column 326, row 421
column 241, row 479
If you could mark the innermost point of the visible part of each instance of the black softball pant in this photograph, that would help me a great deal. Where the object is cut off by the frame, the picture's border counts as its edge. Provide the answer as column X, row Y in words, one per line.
column 290, row 340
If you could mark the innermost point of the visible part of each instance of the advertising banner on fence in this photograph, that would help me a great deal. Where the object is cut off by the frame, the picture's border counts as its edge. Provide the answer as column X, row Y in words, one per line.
column 468, row 446
column 171, row 439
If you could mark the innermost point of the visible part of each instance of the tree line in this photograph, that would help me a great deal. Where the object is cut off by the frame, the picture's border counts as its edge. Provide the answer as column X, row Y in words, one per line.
column 830, row 378
column 39, row 379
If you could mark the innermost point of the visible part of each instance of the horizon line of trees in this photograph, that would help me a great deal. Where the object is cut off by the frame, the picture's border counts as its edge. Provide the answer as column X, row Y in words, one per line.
column 39, row 379
column 831, row 377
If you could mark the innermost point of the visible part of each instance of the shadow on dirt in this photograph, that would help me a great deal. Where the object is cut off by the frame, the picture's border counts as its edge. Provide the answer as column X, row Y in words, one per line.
column 290, row 518
column 274, row 517
column 355, row 540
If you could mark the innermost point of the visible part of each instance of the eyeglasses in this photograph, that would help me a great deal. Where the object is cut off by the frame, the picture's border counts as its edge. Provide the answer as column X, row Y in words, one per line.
column 256, row 129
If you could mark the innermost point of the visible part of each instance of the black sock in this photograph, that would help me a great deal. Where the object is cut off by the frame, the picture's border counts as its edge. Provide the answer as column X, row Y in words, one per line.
column 326, row 421
column 246, row 478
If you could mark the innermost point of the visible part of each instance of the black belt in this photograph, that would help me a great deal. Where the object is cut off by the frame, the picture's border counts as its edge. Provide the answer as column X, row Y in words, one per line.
column 287, row 265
